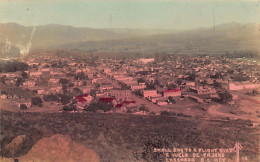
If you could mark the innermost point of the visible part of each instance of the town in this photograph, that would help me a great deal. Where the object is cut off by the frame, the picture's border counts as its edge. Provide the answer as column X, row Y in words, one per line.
column 184, row 85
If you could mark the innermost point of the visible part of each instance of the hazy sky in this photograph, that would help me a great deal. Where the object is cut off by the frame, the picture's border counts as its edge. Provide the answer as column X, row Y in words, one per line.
column 175, row 14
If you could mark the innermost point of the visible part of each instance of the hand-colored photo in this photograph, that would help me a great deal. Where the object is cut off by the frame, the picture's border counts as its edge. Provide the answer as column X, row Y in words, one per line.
column 129, row 80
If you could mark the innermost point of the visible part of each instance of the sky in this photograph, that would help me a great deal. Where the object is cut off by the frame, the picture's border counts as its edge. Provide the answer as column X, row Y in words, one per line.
column 159, row 14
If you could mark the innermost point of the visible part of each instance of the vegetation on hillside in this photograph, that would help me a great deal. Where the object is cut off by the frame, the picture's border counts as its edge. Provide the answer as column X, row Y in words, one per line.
column 120, row 137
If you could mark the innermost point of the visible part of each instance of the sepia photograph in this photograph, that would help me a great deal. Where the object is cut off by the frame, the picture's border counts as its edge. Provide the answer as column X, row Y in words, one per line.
column 130, row 80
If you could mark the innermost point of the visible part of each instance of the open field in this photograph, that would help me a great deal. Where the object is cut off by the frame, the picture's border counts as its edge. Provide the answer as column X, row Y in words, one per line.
column 122, row 137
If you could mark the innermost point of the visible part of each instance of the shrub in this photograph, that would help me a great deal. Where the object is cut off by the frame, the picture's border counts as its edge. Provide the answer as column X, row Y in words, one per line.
column 23, row 107
column 36, row 101
column 70, row 107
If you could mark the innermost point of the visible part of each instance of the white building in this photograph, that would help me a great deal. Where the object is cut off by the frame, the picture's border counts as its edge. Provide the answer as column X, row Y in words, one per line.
column 149, row 93
column 146, row 60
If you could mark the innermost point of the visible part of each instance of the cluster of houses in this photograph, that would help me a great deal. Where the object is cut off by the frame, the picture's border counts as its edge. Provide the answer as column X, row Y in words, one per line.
column 154, row 79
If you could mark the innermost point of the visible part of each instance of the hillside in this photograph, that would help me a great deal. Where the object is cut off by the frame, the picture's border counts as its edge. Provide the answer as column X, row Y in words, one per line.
column 218, row 39
column 124, row 137
column 224, row 37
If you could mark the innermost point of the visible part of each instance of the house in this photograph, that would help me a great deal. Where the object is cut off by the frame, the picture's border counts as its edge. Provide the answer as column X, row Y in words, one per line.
column 203, row 90
column 3, row 96
column 137, row 86
column 197, row 99
column 189, row 84
column 146, row 60
column 162, row 102
column 56, row 89
column 54, row 80
column 149, row 93
column 29, row 83
column 35, row 74
column 154, row 99
column 172, row 93
column 41, row 91
column 105, row 87
column 120, row 94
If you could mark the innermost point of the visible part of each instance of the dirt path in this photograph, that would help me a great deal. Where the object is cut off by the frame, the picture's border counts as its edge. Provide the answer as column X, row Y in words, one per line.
column 214, row 111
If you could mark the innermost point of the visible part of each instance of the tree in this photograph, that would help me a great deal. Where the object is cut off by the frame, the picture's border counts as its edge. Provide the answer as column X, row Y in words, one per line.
column 70, row 107
column 3, row 79
column 171, row 86
column 36, row 101
column 63, row 81
column 141, row 80
column 50, row 98
column 19, row 81
column 179, row 81
column 192, row 77
column 92, row 93
column 100, row 105
column 170, row 98
column 24, row 75
column 65, row 99
column 225, row 97
column 71, row 85
column 81, row 76
column 23, row 107
column 143, row 108
column 64, row 88
column 77, row 92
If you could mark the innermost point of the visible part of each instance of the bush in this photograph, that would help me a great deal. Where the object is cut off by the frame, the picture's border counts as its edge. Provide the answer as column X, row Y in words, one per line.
column 63, row 81
column 70, row 107
column 167, row 113
column 143, row 108
column 164, row 113
column 65, row 99
column 36, row 101
column 100, row 105
column 225, row 97
column 51, row 97
column 23, row 107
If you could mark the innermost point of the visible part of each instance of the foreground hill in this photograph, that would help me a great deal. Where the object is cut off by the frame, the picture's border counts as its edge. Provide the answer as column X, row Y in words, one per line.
column 125, row 137
column 55, row 148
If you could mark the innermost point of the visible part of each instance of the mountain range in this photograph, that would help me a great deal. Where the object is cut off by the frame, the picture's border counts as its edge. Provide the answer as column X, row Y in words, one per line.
column 15, row 38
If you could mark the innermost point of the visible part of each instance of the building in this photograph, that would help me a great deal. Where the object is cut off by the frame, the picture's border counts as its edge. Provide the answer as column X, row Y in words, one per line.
column 105, row 87
column 146, row 60
column 120, row 94
column 149, row 93
column 172, row 93
column 36, row 74
column 162, row 102
column 137, row 87
column 29, row 84
column 197, row 99
column 203, row 90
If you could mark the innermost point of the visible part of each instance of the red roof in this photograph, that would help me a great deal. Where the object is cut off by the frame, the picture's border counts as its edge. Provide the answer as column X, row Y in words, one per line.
column 119, row 105
column 80, row 99
column 85, row 95
column 106, row 99
column 171, row 90
column 128, row 102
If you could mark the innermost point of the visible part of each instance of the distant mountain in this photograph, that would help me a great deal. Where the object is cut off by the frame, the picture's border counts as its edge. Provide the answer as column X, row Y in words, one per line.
column 223, row 37
column 218, row 39
column 48, row 35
